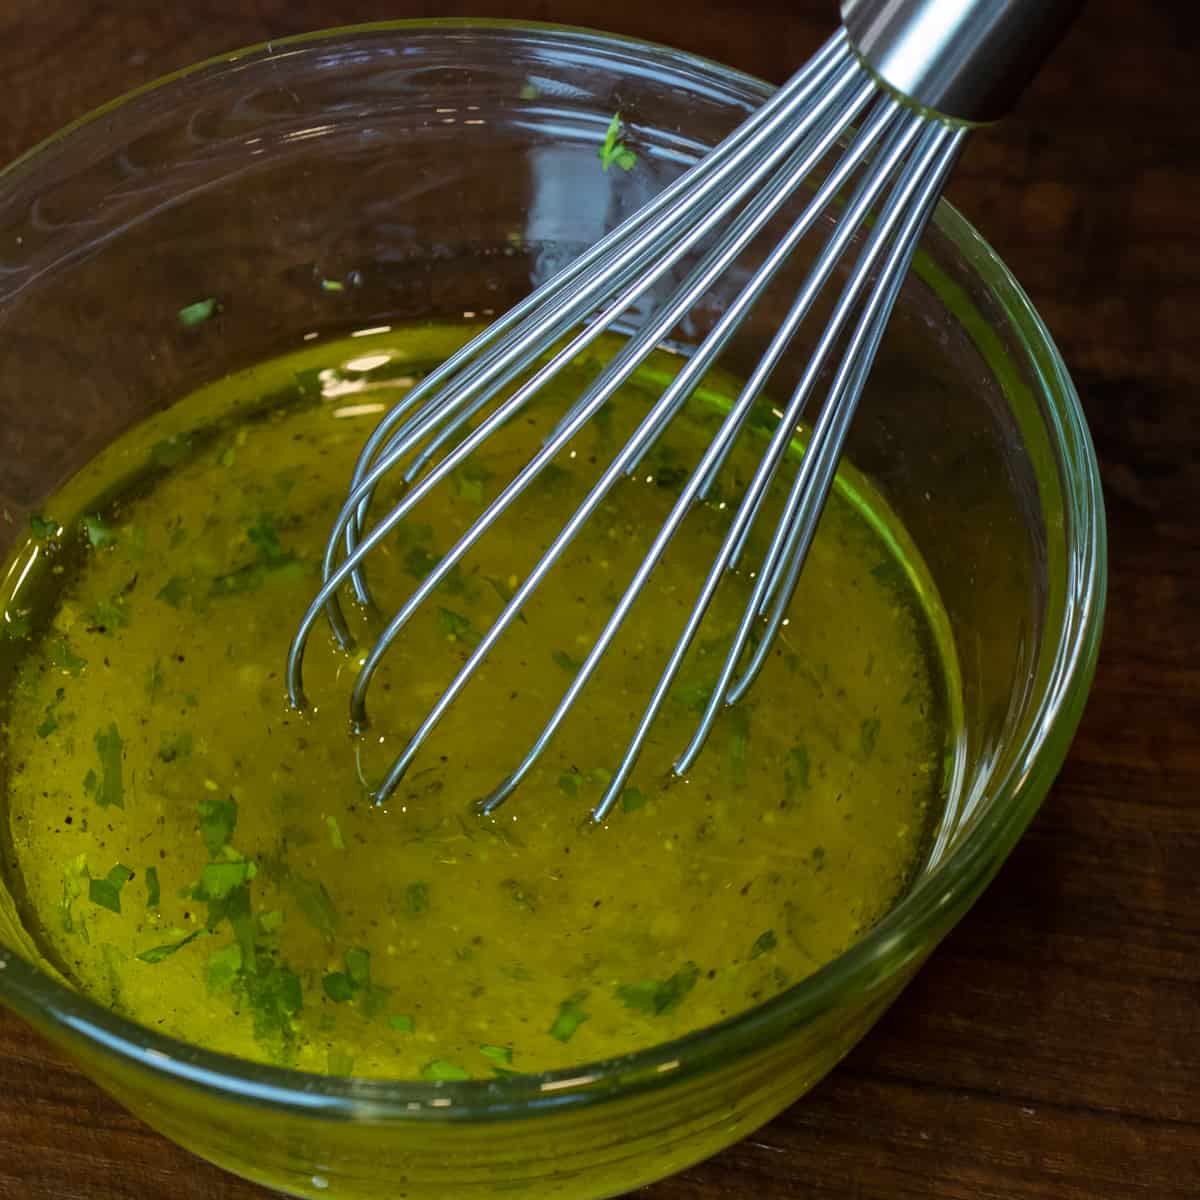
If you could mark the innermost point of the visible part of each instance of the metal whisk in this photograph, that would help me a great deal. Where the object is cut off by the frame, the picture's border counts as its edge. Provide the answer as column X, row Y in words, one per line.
column 902, row 81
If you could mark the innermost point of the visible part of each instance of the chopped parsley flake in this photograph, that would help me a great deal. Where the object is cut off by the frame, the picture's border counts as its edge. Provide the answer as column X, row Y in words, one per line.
column 174, row 592
column 153, row 892
column 224, row 966
column 401, row 1023
column 764, row 944
column 43, row 528
column 569, row 1017
column 498, row 1054
column 457, row 628
column 99, row 533
column 335, row 833
column 196, row 314
column 613, row 150
column 106, row 892
column 796, row 773
column 174, row 746
column 416, row 897
column 107, row 789
column 157, row 953
column 217, row 880
column 868, row 734
column 564, row 660
column 469, row 478
column 632, row 799
column 218, row 820
column 654, row 997
column 440, row 1070
column 65, row 659
column 314, row 903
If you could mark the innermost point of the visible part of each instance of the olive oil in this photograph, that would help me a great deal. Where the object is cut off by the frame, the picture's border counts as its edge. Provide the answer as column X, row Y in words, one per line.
column 193, row 853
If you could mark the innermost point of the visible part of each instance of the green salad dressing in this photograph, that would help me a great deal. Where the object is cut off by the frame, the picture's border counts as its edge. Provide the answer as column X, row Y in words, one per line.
column 191, row 852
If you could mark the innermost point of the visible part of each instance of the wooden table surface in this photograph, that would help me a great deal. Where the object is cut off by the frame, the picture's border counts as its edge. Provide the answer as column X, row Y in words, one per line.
column 1051, row 1048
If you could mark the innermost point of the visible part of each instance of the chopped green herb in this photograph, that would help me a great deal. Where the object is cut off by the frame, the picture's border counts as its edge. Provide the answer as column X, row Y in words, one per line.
column 338, row 987
column 174, row 746
column 50, row 722
column 416, row 897
column 671, row 478
column 314, row 903
column 16, row 627
column 457, row 628
column 62, row 657
column 498, row 1054
column 153, row 892
column 99, row 533
column 107, row 615
column 196, row 314
column 43, row 528
column 568, row 664
column 469, row 478
column 419, row 561
column 218, row 820
column 106, row 892
column 224, row 966
column 868, row 734
column 265, row 538
column 763, row 944
column 442, row 1071
column 335, row 833
column 632, row 799
column 796, row 773
column 73, row 876
column 569, row 1017
column 505, row 593
column 227, row 457
column 107, row 789
column 358, row 966
column 274, row 996
column 174, row 592
column 613, row 149
column 654, row 997
column 217, row 880
column 401, row 1023
column 569, row 782
column 529, row 90
column 271, row 921
column 554, row 478
column 332, row 285
column 157, row 953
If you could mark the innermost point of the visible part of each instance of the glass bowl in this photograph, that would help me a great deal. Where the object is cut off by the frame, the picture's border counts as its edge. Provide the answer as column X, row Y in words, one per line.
column 445, row 167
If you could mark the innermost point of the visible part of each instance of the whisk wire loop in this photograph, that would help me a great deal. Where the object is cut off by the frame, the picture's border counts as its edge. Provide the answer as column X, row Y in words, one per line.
column 894, row 166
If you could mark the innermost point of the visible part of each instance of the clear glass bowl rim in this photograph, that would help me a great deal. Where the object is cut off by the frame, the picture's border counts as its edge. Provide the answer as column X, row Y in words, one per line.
column 907, row 933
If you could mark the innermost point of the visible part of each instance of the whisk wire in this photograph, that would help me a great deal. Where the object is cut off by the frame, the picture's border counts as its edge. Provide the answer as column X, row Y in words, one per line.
column 614, row 375
column 864, row 196
column 833, row 67
column 403, row 442
column 894, row 167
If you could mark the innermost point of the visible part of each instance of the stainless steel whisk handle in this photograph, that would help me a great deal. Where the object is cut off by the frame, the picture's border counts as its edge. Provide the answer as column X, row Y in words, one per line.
column 965, row 59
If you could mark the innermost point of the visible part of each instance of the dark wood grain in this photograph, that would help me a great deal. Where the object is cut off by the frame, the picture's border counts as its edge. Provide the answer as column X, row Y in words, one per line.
column 1050, row 1049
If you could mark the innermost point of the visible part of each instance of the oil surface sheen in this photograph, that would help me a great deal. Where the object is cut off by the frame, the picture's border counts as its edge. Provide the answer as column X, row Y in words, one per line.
column 193, row 853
